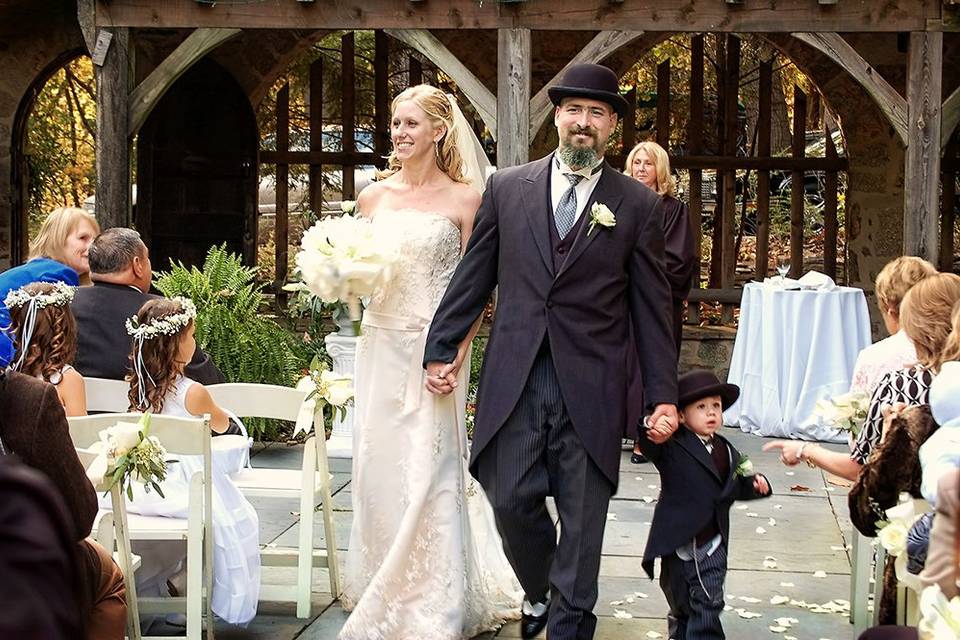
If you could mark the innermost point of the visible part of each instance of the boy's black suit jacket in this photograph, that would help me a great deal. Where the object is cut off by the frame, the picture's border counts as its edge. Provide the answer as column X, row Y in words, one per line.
column 691, row 492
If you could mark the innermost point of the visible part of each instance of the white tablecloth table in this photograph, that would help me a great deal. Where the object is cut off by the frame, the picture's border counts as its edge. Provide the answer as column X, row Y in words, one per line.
column 792, row 349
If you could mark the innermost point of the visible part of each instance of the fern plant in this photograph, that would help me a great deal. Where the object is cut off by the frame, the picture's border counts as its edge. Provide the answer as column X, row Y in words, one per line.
column 245, row 345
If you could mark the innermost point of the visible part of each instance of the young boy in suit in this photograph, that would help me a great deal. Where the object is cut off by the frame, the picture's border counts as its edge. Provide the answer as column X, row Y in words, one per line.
column 701, row 475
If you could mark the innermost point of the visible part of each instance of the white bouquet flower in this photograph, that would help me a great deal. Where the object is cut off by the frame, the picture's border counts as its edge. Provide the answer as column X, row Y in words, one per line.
column 344, row 258
column 326, row 389
column 133, row 455
column 847, row 411
column 893, row 531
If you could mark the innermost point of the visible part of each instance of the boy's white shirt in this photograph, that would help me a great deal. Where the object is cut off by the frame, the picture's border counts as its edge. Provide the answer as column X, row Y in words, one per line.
column 938, row 455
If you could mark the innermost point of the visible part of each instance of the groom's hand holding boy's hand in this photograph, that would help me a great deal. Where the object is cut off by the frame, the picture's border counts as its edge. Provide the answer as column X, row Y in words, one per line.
column 663, row 423
column 760, row 485
column 441, row 377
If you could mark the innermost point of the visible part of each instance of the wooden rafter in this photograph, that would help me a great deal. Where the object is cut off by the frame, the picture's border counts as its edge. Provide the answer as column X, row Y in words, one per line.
column 602, row 45
column 891, row 103
column 148, row 93
column 479, row 96
column 783, row 16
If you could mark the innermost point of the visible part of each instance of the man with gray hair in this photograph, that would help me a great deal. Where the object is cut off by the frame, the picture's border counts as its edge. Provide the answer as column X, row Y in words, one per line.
column 121, row 273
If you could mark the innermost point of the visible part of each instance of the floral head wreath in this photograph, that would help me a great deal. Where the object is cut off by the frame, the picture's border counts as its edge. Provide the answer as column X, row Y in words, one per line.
column 61, row 296
column 168, row 325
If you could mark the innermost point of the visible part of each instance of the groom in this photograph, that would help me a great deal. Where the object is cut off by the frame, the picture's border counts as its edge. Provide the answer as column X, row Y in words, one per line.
column 577, row 252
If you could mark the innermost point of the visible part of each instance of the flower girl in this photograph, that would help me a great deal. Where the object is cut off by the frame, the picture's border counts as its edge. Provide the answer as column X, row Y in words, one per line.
column 163, row 344
column 45, row 333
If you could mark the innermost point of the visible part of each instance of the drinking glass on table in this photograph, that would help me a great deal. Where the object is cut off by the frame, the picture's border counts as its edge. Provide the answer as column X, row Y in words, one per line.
column 783, row 266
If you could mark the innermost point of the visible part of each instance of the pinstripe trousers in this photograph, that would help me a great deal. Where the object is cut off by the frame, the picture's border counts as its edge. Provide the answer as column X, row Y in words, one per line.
column 695, row 613
column 537, row 453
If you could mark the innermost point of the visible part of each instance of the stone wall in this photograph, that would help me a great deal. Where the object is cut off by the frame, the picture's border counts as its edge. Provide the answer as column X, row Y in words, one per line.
column 28, row 56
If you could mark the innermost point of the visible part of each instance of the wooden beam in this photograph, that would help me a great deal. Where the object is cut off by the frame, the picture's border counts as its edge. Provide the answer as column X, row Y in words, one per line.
column 695, row 145
column 948, row 212
column 629, row 135
column 280, row 227
column 381, row 95
column 317, row 157
column 112, row 143
column 477, row 93
column 778, row 163
column 663, row 104
column 513, row 97
column 891, row 103
column 830, row 197
column 728, row 212
column 783, row 16
column 315, row 92
column 764, row 120
column 348, row 111
column 148, row 93
column 87, row 21
column 414, row 71
column 921, row 178
column 595, row 51
column 797, row 194
column 950, row 117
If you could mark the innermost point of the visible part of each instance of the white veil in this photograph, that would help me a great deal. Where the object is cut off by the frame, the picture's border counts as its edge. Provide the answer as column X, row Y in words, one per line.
column 475, row 162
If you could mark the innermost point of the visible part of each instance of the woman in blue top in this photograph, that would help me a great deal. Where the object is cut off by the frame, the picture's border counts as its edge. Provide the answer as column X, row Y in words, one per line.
column 58, row 254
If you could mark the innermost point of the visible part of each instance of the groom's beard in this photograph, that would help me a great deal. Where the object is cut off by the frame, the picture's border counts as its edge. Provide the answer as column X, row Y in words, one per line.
column 579, row 156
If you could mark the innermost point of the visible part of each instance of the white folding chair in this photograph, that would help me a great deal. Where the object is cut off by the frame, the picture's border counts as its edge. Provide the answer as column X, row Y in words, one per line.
column 861, row 570
column 104, row 394
column 180, row 436
column 111, row 532
column 310, row 482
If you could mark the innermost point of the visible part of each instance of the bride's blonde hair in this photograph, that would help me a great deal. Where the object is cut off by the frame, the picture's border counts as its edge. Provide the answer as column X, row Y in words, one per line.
column 436, row 105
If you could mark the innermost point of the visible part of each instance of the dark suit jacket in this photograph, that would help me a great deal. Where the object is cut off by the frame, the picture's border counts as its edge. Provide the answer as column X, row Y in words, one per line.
column 612, row 277
column 103, row 346
column 691, row 492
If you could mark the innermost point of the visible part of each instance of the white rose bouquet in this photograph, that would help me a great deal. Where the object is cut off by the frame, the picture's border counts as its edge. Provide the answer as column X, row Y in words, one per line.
column 344, row 258
column 893, row 531
column 847, row 411
column 133, row 455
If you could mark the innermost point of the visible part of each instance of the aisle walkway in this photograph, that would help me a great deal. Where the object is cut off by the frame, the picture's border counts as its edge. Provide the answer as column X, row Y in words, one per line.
column 801, row 531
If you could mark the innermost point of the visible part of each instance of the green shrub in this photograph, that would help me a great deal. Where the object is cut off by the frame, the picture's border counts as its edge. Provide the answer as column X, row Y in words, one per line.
column 245, row 345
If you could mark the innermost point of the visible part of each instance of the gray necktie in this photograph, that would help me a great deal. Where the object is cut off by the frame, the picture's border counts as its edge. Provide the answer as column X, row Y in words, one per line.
column 566, row 211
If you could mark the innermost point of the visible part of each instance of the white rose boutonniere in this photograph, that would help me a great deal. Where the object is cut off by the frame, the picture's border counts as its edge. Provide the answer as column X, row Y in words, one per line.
column 744, row 467
column 348, row 206
column 600, row 214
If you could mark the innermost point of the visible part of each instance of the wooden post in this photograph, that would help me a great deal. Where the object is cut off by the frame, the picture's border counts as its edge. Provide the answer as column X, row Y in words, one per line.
column 796, row 182
column 763, row 177
column 381, row 95
column 948, row 214
column 922, row 171
column 728, row 257
column 695, row 146
column 630, row 122
column 513, row 97
column 830, row 186
column 663, row 105
column 414, row 71
column 348, row 111
column 280, row 227
column 316, row 132
column 112, row 144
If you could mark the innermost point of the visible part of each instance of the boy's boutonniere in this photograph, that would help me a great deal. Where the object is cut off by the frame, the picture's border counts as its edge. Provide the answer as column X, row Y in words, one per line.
column 744, row 467
column 600, row 214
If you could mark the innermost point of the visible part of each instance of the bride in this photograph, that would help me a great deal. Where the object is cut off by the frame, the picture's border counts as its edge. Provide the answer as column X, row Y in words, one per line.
column 425, row 561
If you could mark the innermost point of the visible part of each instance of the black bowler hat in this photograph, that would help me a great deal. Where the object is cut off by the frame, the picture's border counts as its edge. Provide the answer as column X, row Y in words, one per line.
column 701, row 383
column 590, row 81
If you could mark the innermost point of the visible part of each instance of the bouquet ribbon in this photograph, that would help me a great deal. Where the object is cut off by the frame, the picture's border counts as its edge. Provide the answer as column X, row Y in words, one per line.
column 411, row 324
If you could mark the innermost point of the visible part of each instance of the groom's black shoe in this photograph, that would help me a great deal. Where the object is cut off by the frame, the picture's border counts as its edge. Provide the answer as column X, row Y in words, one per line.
column 532, row 624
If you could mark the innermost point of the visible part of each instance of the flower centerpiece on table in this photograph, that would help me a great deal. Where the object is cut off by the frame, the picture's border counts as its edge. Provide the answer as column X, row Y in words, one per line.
column 326, row 389
column 345, row 258
column 847, row 411
column 132, row 454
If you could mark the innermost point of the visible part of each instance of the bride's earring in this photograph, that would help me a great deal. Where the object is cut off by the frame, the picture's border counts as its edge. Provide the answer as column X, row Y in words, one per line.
column 436, row 149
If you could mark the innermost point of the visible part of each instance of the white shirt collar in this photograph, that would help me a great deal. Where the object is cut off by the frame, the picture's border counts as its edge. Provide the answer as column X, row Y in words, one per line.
column 586, row 172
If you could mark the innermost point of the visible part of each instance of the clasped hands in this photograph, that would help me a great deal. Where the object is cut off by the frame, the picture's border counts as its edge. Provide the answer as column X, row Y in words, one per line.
column 442, row 376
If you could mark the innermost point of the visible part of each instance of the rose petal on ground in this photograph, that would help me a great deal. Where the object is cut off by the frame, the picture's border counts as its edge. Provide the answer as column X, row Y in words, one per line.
column 647, row 499
column 778, row 507
column 786, row 584
column 777, row 629
column 611, row 516
column 789, row 637
column 819, row 574
column 631, row 599
column 727, row 607
column 742, row 507
column 779, row 600
column 620, row 613
column 786, row 622
column 789, row 473
column 769, row 564
column 799, row 487
column 638, row 478
column 772, row 522
column 651, row 486
column 748, row 615
column 653, row 635
column 616, row 603
column 751, row 514
column 761, row 530
column 750, row 600
column 640, row 595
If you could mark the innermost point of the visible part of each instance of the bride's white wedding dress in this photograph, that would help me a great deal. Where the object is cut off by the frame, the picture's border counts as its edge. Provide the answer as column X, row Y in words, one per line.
column 425, row 561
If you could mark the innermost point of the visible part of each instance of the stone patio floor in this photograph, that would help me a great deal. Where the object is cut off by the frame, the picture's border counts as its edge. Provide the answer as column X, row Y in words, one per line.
column 804, row 528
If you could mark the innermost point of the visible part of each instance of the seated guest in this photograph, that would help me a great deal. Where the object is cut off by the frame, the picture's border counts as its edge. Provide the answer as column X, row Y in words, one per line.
column 163, row 343
column 121, row 272
column 58, row 254
column 33, row 427
column 45, row 333
column 925, row 316
column 895, row 351
column 940, row 454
